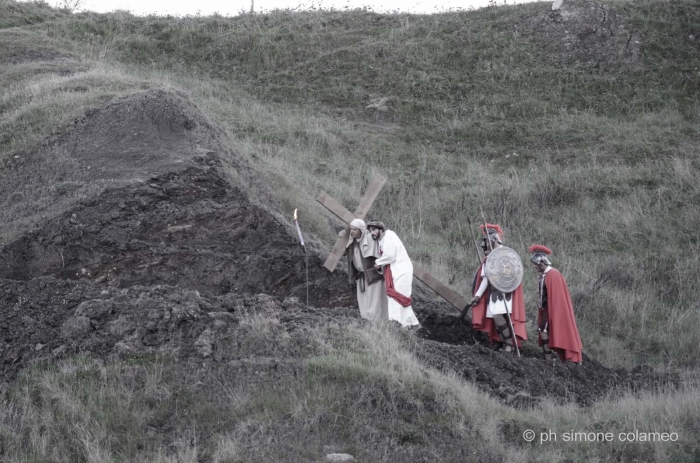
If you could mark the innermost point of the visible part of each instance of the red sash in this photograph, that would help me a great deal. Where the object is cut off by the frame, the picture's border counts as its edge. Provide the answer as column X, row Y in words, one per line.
column 391, row 291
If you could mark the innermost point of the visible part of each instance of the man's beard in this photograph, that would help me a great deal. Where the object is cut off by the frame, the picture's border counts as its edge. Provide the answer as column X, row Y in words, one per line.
column 375, row 237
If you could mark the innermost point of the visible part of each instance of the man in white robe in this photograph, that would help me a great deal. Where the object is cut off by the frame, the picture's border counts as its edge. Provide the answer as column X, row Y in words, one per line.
column 398, row 274
column 362, row 251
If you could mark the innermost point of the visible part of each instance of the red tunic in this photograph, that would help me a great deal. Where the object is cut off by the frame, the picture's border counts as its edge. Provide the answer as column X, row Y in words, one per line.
column 563, row 334
column 485, row 324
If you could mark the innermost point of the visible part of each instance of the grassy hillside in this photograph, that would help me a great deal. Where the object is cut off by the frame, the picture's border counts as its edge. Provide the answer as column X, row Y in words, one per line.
column 578, row 130
column 364, row 394
column 16, row 14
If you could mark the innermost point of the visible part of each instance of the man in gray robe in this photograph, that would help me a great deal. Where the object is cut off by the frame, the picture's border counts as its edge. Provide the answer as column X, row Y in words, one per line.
column 362, row 251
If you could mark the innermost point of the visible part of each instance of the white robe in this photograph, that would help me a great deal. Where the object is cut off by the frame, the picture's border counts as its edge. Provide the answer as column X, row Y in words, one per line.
column 373, row 302
column 394, row 254
column 493, row 308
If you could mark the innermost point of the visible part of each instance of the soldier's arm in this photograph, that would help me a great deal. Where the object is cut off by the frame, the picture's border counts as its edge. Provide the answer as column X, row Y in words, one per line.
column 480, row 291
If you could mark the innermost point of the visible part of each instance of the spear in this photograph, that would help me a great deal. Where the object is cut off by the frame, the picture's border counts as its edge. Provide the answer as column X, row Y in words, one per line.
column 476, row 247
column 478, row 256
column 301, row 238
column 306, row 257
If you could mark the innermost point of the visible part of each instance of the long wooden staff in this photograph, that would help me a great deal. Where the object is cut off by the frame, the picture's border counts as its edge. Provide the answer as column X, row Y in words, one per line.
column 478, row 256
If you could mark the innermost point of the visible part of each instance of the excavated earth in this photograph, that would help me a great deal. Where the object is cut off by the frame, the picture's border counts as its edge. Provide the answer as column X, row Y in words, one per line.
column 155, row 248
column 584, row 34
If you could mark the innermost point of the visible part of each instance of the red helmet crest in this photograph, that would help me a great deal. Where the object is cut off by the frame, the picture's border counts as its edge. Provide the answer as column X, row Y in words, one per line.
column 491, row 226
column 540, row 248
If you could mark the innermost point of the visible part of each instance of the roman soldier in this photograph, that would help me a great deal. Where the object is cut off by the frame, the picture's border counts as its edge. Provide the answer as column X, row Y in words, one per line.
column 556, row 324
column 491, row 307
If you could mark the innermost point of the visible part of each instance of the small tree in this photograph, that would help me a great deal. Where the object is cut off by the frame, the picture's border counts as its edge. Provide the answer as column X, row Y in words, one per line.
column 71, row 5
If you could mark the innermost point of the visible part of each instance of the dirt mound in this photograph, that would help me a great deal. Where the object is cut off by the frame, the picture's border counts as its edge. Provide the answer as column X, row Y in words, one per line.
column 129, row 140
column 50, row 318
column 191, row 229
column 526, row 380
column 584, row 32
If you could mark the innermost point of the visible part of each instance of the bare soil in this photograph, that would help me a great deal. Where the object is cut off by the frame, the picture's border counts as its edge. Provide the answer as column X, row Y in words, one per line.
column 584, row 33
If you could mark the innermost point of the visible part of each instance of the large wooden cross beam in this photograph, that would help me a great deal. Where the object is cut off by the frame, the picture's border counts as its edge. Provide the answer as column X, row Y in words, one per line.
column 454, row 298
column 334, row 206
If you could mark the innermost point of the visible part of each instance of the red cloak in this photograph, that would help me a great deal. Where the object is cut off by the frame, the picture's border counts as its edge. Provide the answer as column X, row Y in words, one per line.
column 391, row 291
column 563, row 334
column 482, row 323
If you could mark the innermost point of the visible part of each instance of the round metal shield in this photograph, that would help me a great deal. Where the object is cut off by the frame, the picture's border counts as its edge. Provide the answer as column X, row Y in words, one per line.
column 504, row 269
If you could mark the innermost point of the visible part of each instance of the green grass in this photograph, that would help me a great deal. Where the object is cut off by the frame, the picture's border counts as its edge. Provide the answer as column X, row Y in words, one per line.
column 364, row 393
column 16, row 14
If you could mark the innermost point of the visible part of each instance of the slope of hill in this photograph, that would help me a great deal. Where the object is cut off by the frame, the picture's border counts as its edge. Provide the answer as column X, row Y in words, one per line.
column 153, row 301
column 171, row 263
column 577, row 128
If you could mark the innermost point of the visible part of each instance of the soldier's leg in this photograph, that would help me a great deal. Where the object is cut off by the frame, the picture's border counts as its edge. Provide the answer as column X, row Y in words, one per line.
column 543, row 331
column 544, row 336
column 504, row 331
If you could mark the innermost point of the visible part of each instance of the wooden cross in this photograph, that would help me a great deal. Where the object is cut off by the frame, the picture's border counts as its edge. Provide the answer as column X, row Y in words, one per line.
column 458, row 301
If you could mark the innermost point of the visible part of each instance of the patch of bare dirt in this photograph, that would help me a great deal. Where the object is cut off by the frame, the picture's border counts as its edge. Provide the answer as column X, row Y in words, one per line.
column 191, row 229
column 129, row 140
column 584, row 32
column 22, row 46
column 48, row 317
column 527, row 380
column 29, row 55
